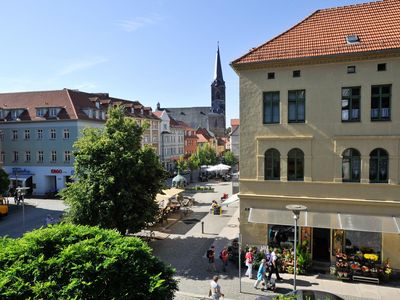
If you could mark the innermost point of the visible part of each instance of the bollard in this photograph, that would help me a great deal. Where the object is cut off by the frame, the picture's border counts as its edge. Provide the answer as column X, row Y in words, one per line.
column 202, row 227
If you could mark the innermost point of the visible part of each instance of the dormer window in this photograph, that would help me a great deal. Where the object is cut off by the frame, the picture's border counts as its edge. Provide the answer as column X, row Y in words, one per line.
column 141, row 111
column 132, row 110
column 14, row 114
column 40, row 112
column 352, row 39
column 53, row 112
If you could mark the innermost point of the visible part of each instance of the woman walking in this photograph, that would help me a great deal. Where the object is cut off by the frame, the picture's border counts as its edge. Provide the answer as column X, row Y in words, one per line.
column 249, row 263
column 215, row 289
column 261, row 273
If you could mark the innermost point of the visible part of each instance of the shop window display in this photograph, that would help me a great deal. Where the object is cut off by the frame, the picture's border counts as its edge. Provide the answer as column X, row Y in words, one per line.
column 359, row 258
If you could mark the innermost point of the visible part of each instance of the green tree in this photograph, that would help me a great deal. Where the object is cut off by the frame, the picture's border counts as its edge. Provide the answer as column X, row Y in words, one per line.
column 193, row 162
column 181, row 164
column 4, row 181
column 229, row 158
column 117, row 180
column 206, row 155
column 79, row 262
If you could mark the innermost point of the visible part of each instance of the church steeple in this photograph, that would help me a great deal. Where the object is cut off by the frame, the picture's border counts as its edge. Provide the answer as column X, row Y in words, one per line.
column 218, row 78
column 218, row 88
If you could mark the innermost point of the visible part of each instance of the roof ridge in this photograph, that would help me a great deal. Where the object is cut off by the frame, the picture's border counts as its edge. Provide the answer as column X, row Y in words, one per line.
column 72, row 103
column 276, row 37
column 26, row 92
column 355, row 5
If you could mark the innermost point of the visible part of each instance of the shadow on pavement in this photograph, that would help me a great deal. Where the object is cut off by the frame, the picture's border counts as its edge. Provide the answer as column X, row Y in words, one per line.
column 25, row 218
column 188, row 256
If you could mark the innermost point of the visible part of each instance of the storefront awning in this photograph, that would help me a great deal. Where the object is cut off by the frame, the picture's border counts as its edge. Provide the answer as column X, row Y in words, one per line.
column 370, row 223
column 21, row 177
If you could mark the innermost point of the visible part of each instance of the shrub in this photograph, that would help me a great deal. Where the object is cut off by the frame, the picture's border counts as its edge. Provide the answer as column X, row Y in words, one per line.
column 80, row 262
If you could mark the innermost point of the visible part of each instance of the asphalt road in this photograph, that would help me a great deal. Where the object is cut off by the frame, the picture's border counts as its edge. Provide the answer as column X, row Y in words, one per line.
column 31, row 215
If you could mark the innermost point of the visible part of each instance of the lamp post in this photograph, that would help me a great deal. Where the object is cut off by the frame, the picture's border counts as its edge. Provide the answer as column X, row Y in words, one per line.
column 296, row 209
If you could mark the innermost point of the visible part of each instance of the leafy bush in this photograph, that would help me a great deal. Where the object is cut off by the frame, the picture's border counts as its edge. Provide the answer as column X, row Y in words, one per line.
column 80, row 262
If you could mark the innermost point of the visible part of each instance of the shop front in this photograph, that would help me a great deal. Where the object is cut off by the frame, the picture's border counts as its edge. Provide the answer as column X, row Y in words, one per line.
column 366, row 241
column 41, row 181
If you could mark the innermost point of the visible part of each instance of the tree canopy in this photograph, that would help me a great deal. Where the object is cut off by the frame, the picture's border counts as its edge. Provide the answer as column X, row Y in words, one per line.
column 206, row 155
column 229, row 158
column 80, row 262
column 4, row 181
column 116, row 179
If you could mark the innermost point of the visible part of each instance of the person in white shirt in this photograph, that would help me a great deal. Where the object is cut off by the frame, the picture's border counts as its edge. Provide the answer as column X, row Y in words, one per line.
column 215, row 289
column 273, row 266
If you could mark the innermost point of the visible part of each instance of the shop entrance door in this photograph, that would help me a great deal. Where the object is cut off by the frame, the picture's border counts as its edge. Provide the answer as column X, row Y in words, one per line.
column 321, row 244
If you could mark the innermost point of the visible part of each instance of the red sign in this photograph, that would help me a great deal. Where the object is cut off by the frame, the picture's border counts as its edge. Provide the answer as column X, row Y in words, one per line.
column 56, row 171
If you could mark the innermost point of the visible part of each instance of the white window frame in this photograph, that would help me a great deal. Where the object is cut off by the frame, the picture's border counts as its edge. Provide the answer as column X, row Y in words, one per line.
column 14, row 135
column 66, row 134
column 27, row 134
column 15, row 156
column 53, row 156
column 67, row 156
column 39, row 134
column 27, row 156
column 40, row 156
column 53, row 134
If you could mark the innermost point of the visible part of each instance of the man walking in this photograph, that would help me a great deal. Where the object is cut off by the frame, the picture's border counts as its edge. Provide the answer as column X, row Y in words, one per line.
column 215, row 289
column 273, row 266
column 211, row 259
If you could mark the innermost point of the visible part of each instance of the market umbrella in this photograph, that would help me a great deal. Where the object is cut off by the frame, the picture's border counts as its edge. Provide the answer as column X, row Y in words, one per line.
column 232, row 199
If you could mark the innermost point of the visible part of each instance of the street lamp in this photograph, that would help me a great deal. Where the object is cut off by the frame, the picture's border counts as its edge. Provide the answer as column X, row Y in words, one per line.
column 296, row 209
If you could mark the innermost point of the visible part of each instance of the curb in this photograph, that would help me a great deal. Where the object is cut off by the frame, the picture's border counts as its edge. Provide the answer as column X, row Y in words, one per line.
column 197, row 296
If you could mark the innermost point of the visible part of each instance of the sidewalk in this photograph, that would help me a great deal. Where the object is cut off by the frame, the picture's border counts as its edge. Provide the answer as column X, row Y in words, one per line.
column 197, row 289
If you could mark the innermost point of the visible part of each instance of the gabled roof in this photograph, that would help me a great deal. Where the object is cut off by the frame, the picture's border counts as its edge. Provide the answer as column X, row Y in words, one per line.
column 377, row 25
column 72, row 104
column 201, row 138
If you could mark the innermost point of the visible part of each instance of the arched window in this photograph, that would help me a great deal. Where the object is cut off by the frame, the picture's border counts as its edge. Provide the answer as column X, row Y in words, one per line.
column 378, row 166
column 272, row 165
column 351, row 165
column 295, row 167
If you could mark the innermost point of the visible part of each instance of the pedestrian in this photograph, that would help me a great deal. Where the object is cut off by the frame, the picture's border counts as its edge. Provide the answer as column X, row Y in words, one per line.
column 224, row 256
column 249, row 263
column 211, row 259
column 215, row 290
column 261, row 273
column 274, row 266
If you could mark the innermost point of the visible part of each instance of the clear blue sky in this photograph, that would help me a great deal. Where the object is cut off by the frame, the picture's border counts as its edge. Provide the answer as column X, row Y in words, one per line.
column 150, row 51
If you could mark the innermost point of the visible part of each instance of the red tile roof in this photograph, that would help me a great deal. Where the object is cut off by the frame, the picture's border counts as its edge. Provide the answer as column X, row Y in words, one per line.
column 72, row 104
column 158, row 113
column 201, row 138
column 377, row 24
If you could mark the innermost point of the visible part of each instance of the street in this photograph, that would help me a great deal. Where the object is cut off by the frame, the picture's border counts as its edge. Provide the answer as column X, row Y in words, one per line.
column 28, row 216
column 183, row 245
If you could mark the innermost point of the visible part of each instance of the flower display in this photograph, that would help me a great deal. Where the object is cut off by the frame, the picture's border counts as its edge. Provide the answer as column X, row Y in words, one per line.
column 370, row 256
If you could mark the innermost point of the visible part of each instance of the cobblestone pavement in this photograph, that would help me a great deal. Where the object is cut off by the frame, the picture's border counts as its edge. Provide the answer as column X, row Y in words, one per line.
column 186, row 246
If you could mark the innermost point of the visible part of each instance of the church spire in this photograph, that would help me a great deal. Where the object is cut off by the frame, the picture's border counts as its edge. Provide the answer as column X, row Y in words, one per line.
column 218, row 78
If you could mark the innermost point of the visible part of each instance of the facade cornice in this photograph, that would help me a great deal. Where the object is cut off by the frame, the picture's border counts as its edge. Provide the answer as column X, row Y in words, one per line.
column 302, row 199
column 280, row 137
column 315, row 60
column 366, row 137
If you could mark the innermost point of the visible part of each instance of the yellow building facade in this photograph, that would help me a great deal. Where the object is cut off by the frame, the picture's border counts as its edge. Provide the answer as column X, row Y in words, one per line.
column 324, row 132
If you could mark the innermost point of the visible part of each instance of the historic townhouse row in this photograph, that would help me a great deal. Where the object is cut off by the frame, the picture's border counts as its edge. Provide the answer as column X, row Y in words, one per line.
column 38, row 130
column 320, row 127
